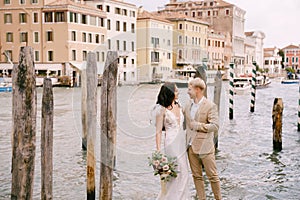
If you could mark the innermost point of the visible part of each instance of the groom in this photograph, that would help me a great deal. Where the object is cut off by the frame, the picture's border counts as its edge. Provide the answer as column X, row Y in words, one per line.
column 201, row 116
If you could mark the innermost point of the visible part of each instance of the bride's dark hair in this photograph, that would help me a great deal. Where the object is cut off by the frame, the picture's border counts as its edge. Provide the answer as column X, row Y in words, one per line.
column 166, row 94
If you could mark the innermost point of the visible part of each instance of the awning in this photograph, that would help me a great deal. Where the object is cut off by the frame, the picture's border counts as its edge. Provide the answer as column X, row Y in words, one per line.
column 78, row 65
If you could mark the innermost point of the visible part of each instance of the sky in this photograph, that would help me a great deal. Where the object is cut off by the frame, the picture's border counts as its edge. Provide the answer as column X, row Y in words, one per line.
column 278, row 19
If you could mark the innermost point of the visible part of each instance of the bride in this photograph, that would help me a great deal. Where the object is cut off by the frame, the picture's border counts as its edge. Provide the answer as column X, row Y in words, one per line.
column 169, row 118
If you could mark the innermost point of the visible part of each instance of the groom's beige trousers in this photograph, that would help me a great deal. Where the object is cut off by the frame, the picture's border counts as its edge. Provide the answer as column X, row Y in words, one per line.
column 209, row 163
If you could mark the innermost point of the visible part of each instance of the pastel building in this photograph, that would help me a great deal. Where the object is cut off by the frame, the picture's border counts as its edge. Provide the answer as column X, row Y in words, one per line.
column 256, row 38
column 154, row 47
column 292, row 57
column 189, row 40
column 121, row 35
column 221, row 16
column 272, row 61
column 61, row 33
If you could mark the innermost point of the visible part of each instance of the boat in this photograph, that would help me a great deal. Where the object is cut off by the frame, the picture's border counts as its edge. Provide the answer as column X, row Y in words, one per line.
column 181, row 77
column 262, row 82
column 241, row 85
column 5, row 86
column 290, row 79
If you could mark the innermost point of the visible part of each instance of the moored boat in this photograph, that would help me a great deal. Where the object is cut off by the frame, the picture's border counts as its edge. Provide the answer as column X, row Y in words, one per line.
column 262, row 82
column 241, row 85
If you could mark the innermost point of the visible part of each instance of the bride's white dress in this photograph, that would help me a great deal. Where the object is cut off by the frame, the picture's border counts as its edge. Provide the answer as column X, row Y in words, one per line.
column 175, row 145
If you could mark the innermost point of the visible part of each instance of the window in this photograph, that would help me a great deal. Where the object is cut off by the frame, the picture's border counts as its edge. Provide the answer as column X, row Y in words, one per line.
column 73, row 17
column 59, row 17
column 97, row 38
column 180, row 54
column 107, row 9
column 102, row 56
column 200, row 14
column 7, row 18
column 9, row 37
column 132, row 61
column 124, row 12
column 117, row 11
column 48, row 17
column 73, row 35
column 102, row 39
column 180, row 26
column 84, row 55
column 98, row 56
column 108, row 24
column 169, row 56
column 83, row 19
column 83, row 37
column 169, row 43
column 124, row 26
column 118, row 45
column 154, row 56
column 34, row 1
column 180, row 39
column 109, row 44
column 36, row 37
column 124, row 62
column 227, row 12
column 22, row 2
column 6, row 1
column 132, row 13
column 23, row 37
column 101, row 22
column 117, row 26
column 49, row 36
column 90, row 38
column 100, row 7
column 8, row 56
column 132, row 28
column 50, row 55
column 22, row 18
column 35, row 17
column 208, row 43
column 124, row 45
column 132, row 46
column 73, row 54
column 36, row 56
column 208, row 13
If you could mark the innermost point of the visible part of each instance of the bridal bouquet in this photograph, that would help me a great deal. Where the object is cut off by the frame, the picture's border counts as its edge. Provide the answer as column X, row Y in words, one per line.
column 163, row 165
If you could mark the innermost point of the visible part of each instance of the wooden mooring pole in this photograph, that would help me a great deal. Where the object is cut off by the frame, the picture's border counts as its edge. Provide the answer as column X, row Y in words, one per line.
column 299, row 109
column 253, row 87
column 83, row 108
column 217, row 96
column 277, row 124
column 108, row 124
column 201, row 73
column 231, row 91
column 91, row 85
column 47, row 141
column 24, row 126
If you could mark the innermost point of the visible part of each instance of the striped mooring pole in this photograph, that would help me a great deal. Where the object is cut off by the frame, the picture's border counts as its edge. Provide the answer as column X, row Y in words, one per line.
column 231, row 91
column 299, row 109
column 253, row 87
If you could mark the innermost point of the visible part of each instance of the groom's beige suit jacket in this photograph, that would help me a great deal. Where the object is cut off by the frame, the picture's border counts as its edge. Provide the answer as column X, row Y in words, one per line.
column 200, row 136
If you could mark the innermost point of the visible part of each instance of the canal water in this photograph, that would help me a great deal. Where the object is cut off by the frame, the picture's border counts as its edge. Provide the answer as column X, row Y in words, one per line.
column 248, row 167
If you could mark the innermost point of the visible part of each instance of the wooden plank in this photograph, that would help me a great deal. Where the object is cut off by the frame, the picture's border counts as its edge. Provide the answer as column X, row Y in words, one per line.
column 217, row 97
column 83, row 108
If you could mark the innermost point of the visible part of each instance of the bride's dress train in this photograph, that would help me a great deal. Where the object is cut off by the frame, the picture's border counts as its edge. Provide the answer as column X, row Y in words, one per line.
column 175, row 146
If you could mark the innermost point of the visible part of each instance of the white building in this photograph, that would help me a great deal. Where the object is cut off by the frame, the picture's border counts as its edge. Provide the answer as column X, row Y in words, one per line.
column 256, row 38
column 272, row 61
column 121, row 35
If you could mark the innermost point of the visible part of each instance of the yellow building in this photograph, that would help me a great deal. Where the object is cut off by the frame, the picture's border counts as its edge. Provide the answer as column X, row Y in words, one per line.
column 154, row 47
column 189, row 40
column 61, row 33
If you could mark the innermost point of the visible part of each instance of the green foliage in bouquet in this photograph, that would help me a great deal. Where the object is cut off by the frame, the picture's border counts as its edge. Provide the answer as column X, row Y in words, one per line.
column 163, row 165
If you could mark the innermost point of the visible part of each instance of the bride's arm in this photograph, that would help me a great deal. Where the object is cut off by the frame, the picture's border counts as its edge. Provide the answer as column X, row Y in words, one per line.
column 159, row 127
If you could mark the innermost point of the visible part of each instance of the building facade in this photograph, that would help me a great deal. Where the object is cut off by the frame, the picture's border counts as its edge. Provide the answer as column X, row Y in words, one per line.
column 292, row 57
column 272, row 61
column 60, row 32
column 222, row 16
column 256, row 38
column 121, row 35
column 154, row 47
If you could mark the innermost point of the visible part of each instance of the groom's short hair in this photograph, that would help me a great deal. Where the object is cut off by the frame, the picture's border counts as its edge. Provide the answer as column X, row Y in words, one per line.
column 197, row 82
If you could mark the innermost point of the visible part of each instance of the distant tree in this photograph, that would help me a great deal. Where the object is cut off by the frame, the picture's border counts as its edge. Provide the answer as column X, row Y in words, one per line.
column 281, row 53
